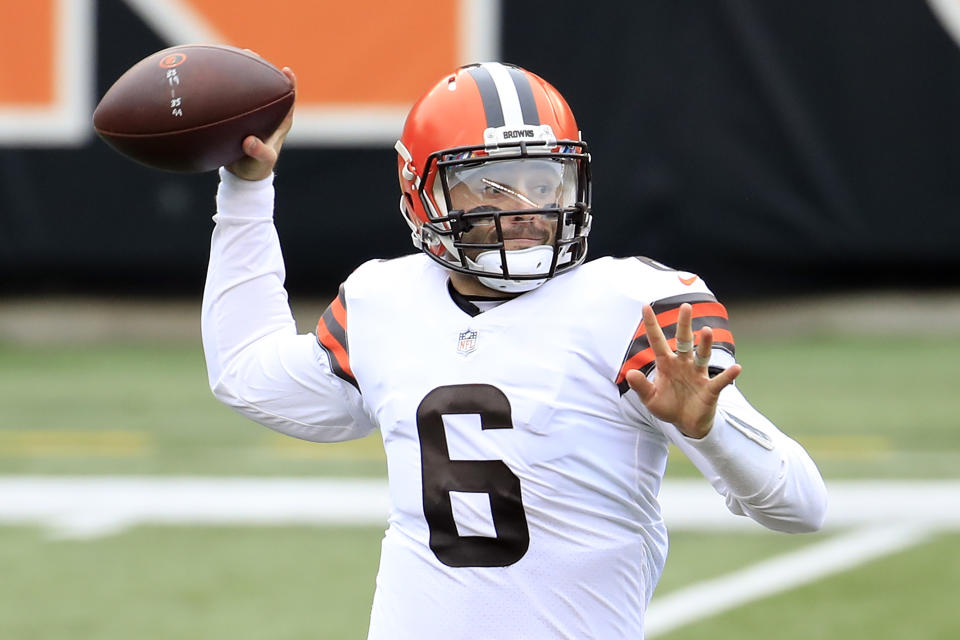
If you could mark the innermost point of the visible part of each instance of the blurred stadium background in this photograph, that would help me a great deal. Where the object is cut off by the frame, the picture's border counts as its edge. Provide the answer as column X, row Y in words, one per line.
column 803, row 158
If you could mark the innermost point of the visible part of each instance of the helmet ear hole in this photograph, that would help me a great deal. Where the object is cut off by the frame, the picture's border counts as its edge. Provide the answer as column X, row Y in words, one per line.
column 406, row 210
column 409, row 215
column 406, row 203
column 406, row 206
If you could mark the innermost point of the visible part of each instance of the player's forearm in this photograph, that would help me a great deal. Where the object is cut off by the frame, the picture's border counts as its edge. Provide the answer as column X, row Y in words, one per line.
column 762, row 473
column 244, row 298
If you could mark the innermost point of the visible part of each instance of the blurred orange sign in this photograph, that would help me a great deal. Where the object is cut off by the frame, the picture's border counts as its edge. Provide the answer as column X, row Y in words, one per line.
column 46, row 79
column 359, row 64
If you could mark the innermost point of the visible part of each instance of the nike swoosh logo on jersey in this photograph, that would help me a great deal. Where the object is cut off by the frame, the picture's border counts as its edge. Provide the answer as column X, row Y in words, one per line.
column 687, row 281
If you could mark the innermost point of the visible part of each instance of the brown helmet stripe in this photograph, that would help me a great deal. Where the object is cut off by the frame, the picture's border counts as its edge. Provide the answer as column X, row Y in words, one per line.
column 488, row 95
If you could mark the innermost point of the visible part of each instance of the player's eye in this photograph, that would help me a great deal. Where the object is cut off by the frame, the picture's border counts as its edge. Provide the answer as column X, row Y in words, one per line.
column 495, row 189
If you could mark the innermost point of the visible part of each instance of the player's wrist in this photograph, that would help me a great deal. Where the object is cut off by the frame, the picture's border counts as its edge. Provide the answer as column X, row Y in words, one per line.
column 249, row 176
column 236, row 181
column 698, row 430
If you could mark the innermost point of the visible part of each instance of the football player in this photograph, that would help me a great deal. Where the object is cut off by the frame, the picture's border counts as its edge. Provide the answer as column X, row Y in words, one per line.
column 526, row 397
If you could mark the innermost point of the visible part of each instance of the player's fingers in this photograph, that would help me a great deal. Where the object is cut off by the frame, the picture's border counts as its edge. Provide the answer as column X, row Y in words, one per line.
column 654, row 333
column 639, row 383
column 291, row 76
column 685, row 331
column 277, row 138
column 280, row 134
column 701, row 356
column 725, row 377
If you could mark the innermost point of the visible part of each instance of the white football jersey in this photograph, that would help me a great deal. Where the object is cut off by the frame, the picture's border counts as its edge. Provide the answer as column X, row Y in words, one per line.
column 523, row 472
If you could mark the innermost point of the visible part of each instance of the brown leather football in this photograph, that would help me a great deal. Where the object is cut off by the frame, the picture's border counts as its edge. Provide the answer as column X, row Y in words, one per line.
column 188, row 108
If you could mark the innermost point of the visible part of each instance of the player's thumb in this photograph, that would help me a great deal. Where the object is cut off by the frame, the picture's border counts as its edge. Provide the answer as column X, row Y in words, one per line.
column 254, row 147
column 257, row 149
column 639, row 383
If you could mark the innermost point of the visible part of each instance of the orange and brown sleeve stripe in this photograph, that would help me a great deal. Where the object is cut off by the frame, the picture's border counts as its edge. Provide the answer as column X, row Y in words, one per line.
column 332, row 336
column 707, row 312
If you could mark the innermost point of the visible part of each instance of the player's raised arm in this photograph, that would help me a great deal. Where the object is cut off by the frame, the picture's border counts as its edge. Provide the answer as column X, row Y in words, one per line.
column 256, row 362
column 760, row 471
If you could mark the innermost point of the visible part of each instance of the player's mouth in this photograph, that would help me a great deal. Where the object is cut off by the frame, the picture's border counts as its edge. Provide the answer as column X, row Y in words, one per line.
column 511, row 244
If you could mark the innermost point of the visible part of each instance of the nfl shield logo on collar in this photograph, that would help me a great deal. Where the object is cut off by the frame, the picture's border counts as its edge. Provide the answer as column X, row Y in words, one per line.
column 467, row 343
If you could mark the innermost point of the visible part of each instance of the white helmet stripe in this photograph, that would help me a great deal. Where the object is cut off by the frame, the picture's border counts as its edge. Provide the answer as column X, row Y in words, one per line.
column 528, row 104
column 507, row 91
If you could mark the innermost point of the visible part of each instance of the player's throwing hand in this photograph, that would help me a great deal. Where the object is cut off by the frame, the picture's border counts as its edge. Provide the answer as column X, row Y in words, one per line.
column 262, row 154
column 682, row 392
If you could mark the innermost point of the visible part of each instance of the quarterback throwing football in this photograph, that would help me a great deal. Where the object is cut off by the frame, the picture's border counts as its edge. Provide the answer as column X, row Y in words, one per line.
column 526, row 439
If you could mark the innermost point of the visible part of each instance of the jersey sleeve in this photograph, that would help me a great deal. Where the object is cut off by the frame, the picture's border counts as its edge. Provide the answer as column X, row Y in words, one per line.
column 332, row 338
column 256, row 362
column 760, row 471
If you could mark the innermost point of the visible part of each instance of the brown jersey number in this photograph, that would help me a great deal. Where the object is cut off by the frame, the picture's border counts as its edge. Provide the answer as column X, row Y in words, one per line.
column 441, row 475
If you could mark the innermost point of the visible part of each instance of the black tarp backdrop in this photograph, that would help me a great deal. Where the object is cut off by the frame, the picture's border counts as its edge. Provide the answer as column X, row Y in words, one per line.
column 771, row 147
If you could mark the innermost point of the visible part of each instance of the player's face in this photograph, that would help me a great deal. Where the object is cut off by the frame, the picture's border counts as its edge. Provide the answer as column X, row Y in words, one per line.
column 520, row 185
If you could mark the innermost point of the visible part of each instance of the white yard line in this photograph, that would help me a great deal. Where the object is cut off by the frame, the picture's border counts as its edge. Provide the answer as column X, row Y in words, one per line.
column 691, row 504
column 778, row 574
column 98, row 505
column 87, row 507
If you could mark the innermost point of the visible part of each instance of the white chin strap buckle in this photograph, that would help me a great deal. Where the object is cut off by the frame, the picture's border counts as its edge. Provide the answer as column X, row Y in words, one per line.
column 529, row 261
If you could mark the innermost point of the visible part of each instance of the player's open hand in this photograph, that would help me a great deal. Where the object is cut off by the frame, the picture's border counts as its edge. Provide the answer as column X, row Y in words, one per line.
column 682, row 392
column 262, row 154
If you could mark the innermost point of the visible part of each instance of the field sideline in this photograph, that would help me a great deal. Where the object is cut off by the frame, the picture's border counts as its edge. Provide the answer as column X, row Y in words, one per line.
column 46, row 320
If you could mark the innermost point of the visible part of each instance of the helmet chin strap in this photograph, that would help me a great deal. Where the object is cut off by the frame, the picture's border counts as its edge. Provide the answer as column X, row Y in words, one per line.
column 521, row 262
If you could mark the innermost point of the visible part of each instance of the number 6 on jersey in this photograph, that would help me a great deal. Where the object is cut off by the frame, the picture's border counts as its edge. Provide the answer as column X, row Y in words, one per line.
column 441, row 475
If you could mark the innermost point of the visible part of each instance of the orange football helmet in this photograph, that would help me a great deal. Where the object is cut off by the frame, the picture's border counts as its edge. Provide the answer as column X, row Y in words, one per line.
column 488, row 145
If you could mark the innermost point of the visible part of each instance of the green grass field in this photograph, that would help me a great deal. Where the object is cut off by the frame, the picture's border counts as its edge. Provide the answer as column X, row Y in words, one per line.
column 871, row 407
